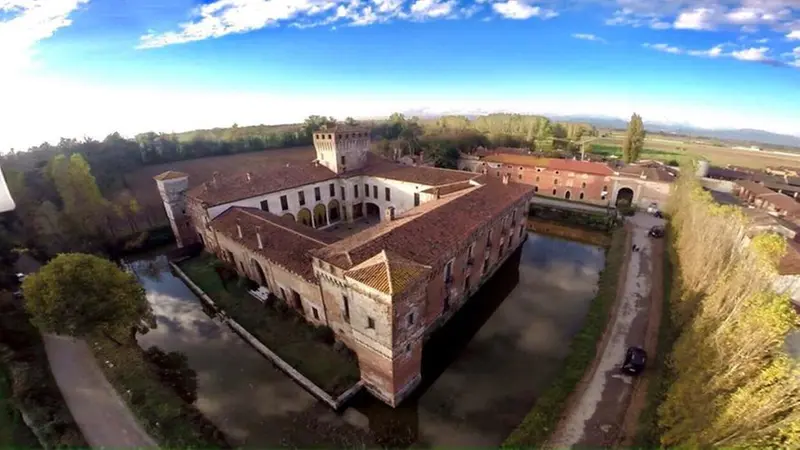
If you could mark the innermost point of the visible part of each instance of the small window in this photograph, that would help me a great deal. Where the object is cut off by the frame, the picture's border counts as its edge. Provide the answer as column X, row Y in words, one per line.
column 448, row 271
column 370, row 323
column 317, row 194
column 330, row 137
column 581, row 196
column 555, row 182
column 332, row 190
column 346, row 303
column 603, row 197
column 554, row 192
column 521, row 230
column 411, row 319
column 567, row 195
column 315, row 313
column 519, row 176
column 341, row 160
column 556, row 172
column 536, row 189
column 583, row 185
column 471, row 250
column 284, row 203
column 416, row 198
column 408, row 348
column 537, row 179
column 342, row 189
column 355, row 190
column 366, row 190
column 388, row 194
column 374, row 191
column 265, row 205
column 605, row 188
column 301, row 197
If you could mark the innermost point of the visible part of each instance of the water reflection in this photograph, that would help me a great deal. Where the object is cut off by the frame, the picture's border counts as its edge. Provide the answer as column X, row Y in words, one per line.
column 481, row 372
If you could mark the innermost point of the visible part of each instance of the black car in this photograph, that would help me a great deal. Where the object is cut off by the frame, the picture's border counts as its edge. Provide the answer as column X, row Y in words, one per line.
column 656, row 232
column 635, row 360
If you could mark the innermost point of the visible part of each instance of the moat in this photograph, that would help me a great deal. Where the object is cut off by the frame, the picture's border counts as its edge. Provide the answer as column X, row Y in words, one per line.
column 481, row 373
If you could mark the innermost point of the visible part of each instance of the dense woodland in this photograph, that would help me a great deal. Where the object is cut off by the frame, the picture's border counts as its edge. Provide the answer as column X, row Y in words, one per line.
column 73, row 196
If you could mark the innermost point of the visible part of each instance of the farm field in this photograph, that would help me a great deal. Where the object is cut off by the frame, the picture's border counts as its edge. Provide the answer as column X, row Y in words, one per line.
column 665, row 150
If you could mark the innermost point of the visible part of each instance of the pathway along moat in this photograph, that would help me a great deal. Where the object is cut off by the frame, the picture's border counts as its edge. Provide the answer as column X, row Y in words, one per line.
column 481, row 373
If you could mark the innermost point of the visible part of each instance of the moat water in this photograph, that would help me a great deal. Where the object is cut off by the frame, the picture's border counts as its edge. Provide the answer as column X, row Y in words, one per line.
column 482, row 372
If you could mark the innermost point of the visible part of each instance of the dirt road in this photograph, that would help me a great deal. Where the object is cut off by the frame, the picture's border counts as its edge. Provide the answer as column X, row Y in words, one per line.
column 104, row 418
column 595, row 417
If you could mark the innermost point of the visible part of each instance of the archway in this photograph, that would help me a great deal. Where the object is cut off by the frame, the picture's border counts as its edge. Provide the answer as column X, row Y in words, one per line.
column 304, row 217
column 567, row 195
column 320, row 215
column 289, row 215
column 262, row 278
column 373, row 211
column 333, row 210
column 625, row 197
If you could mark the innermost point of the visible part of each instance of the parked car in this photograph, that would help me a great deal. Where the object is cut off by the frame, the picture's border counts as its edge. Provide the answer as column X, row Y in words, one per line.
column 635, row 361
column 652, row 209
column 656, row 232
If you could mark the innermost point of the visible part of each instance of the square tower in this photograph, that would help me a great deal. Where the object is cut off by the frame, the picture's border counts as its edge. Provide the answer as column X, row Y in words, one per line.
column 342, row 148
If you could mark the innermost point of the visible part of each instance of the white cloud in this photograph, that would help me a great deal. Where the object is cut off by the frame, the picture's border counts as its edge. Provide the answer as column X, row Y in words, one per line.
column 432, row 8
column 762, row 41
column 520, row 10
column 751, row 54
column 664, row 48
column 695, row 19
column 713, row 52
column 24, row 23
column 793, row 35
column 588, row 37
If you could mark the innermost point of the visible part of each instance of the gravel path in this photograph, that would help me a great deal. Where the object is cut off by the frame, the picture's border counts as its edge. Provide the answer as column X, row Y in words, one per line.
column 104, row 419
column 595, row 417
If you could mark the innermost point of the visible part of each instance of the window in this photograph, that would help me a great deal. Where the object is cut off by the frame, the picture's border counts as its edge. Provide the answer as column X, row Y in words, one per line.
column 556, row 172
column 284, row 203
column 370, row 323
column 603, row 197
column 408, row 348
column 355, row 191
column 366, row 190
column 346, row 302
column 519, row 176
column 567, row 195
column 448, row 272
column 536, row 189
column 315, row 312
column 605, row 188
column 583, row 185
column 521, row 230
column 317, row 194
column 554, row 192
column 555, row 182
column 301, row 197
column 341, row 160
column 497, row 173
column 411, row 319
column 581, row 196
column 489, row 239
column 537, row 179
column 265, row 205
column 416, row 198
column 374, row 191
column 332, row 190
column 471, row 250
column 342, row 192
column 388, row 194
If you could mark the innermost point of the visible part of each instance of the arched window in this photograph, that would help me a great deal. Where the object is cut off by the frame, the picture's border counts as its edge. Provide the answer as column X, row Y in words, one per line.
column 581, row 196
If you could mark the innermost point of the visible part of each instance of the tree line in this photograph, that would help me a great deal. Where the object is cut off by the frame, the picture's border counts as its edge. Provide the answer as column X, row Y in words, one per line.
column 733, row 384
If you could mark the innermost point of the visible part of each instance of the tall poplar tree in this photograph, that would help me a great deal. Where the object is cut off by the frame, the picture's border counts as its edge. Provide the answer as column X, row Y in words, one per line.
column 634, row 139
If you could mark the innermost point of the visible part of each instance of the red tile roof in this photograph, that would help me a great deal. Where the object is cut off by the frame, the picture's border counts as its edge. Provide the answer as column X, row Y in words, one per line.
column 276, row 175
column 388, row 273
column 428, row 233
column 429, row 176
column 286, row 242
column 790, row 263
column 568, row 165
column 650, row 172
column 755, row 188
column 169, row 175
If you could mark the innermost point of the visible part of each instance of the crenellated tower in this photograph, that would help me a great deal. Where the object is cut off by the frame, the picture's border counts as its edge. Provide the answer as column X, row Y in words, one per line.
column 343, row 148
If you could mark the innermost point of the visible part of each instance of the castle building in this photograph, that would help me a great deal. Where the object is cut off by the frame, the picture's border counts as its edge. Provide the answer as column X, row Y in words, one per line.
column 381, row 253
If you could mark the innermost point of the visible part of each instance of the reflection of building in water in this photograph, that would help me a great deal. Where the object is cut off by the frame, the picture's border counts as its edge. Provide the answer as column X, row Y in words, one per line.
column 299, row 229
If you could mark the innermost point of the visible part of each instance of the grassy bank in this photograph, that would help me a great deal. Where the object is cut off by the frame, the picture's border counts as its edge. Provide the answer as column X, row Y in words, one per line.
column 648, row 435
column 284, row 332
column 169, row 419
column 647, row 153
column 542, row 419
column 26, row 384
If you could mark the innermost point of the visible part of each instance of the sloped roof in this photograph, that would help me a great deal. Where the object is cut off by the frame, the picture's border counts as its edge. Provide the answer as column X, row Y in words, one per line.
column 388, row 272
column 569, row 165
column 756, row 188
column 169, row 175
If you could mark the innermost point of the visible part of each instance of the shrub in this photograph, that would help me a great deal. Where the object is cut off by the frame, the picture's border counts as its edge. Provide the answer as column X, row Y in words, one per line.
column 324, row 334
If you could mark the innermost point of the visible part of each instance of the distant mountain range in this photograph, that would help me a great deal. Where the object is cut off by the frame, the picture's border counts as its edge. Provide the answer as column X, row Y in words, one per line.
column 744, row 136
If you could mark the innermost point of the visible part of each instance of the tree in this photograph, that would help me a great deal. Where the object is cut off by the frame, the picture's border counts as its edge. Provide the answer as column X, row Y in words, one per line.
column 634, row 139
column 350, row 121
column 80, row 295
column 174, row 371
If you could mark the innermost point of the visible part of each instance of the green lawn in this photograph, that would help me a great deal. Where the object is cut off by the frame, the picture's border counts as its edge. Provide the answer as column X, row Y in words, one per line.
column 647, row 153
column 541, row 421
column 285, row 333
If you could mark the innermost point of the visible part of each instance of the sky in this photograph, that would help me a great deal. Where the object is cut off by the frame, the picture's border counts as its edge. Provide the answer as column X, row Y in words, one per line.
column 86, row 68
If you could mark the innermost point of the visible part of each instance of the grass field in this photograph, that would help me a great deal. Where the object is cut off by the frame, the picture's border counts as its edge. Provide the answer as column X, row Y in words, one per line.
column 647, row 153
column 664, row 149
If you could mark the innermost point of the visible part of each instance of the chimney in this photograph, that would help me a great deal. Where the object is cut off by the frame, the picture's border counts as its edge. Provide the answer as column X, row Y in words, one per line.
column 390, row 213
column 506, row 177
column 215, row 178
column 258, row 237
column 249, row 177
column 239, row 227
column 437, row 194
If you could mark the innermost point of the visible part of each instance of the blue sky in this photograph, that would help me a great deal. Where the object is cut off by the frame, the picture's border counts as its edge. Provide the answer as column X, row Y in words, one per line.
column 88, row 67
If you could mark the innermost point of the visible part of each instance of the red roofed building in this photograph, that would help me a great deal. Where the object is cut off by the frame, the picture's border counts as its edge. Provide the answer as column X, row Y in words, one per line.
column 436, row 236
